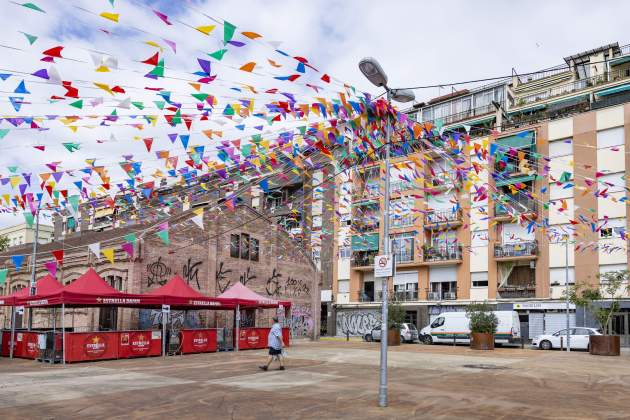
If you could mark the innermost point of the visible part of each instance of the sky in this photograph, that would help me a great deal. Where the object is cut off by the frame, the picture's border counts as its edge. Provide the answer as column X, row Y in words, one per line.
column 417, row 42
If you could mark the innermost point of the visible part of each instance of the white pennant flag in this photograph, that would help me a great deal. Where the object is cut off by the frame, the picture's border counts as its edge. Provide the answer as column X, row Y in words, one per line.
column 95, row 248
column 198, row 219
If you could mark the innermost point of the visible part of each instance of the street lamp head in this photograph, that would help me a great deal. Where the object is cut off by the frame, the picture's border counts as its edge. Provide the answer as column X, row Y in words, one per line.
column 373, row 71
column 403, row 95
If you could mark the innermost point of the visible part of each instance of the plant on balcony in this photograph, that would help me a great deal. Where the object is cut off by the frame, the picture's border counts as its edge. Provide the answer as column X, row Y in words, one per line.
column 483, row 324
column 612, row 288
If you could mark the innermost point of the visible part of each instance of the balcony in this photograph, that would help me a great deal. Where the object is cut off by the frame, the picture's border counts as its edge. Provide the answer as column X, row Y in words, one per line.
column 470, row 113
column 403, row 257
column 363, row 259
column 516, row 292
column 437, row 217
column 406, row 295
column 399, row 186
column 571, row 87
column 518, row 250
column 361, row 227
column 441, row 253
column 520, row 205
column 434, row 296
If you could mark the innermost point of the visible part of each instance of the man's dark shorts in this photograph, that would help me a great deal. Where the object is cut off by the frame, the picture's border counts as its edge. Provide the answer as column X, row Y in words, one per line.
column 274, row 352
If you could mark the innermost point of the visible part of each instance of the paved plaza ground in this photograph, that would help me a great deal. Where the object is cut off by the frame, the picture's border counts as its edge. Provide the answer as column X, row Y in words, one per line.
column 326, row 379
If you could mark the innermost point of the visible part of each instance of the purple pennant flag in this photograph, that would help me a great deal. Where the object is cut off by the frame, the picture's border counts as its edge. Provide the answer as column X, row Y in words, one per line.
column 27, row 178
column 43, row 73
column 172, row 137
column 57, row 176
column 51, row 266
column 22, row 188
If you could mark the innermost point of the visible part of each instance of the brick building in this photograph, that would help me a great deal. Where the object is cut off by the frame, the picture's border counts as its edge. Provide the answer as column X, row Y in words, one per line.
column 241, row 245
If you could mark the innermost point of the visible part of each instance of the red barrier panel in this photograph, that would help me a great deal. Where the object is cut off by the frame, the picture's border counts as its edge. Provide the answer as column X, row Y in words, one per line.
column 256, row 338
column 139, row 344
column 6, row 337
column 91, row 346
column 25, row 344
column 199, row 340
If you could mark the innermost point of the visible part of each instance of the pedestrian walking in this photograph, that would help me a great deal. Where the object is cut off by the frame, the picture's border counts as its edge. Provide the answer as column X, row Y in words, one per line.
column 274, row 342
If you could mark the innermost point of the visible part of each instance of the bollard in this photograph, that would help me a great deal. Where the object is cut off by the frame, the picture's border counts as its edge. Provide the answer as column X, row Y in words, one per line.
column 522, row 342
column 347, row 335
column 561, row 343
column 454, row 342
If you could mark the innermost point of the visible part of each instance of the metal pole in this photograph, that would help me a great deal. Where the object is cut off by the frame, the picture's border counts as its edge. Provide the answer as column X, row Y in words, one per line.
column 566, row 288
column 63, row 332
column 12, row 340
column 382, row 388
column 164, row 315
column 237, row 326
column 33, row 288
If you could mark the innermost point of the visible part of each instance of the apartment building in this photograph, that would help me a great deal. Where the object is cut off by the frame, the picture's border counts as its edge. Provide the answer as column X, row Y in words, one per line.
column 555, row 144
column 22, row 233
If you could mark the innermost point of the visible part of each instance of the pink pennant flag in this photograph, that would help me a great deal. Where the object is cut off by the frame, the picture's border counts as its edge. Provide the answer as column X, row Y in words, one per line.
column 128, row 248
column 162, row 16
column 51, row 266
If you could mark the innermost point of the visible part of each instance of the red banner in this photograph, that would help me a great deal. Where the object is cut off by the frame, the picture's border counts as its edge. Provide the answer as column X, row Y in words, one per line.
column 91, row 346
column 139, row 344
column 199, row 340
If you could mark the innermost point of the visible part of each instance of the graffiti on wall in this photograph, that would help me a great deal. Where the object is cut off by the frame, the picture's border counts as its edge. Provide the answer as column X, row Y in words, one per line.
column 357, row 322
column 223, row 282
column 301, row 322
column 247, row 276
column 291, row 287
column 152, row 319
column 190, row 272
column 157, row 273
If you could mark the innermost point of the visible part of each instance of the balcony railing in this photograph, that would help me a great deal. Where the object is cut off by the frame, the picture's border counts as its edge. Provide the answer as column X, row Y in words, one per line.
column 398, row 221
column 442, row 216
column 406, row 295
column 511, row 292
column 518, row 205
column 470, row 113
column 572, row 87
column 403, row 257
column 398, row 186
column 442, row 295
column 518, row 249
column 442, row 179
column 363, row 260
column 442, row 253
column 554, row 71
column 364, row 297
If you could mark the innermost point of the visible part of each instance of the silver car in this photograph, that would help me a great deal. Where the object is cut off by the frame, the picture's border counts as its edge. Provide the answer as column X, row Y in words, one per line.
column 408, row 334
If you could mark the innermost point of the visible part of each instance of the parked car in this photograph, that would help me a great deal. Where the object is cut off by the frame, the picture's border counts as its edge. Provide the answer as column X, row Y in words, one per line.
column 579, row 339
column 449, row 326
column 408, row 333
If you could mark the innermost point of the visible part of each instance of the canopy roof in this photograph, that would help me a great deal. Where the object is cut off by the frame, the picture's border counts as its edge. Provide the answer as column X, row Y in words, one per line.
column 45, row 286
column 248, row 298
column 179, row 294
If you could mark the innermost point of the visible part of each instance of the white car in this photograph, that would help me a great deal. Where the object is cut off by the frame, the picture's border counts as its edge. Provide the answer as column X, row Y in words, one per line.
column 408, row 334
column 579, row 339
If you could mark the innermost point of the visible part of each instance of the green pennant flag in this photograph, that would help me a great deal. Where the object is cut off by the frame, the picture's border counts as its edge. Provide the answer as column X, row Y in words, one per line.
column 74, row 202
column 138, row 105
column 218, row 55
column 130, row 237
column 33, row 6
column 4, row 132
column 28, row 216
column 159, row 104
column 72, row 147
column 163, row 235
column 200, row 96
column 31, row 38
column 158, row 71
column 228, row 31
column 3, row 275
column 77, row 104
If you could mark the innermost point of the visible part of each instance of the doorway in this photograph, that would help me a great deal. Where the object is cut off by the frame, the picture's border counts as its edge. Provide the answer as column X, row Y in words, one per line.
column 323, row 324
column 107, row 319
column 619, row 326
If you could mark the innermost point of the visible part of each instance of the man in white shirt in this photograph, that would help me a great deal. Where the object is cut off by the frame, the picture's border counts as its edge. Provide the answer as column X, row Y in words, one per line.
column 274, row 342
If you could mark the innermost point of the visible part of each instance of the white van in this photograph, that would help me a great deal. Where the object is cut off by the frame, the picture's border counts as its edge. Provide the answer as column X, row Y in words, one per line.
column 455, row 325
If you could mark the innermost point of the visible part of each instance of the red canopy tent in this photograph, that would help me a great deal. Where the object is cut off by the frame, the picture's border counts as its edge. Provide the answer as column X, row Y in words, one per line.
column 44, row 286
column 247, row 298
column 180, row 295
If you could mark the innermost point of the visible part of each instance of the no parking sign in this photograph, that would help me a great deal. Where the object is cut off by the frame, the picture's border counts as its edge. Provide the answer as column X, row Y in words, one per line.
column 384, row 266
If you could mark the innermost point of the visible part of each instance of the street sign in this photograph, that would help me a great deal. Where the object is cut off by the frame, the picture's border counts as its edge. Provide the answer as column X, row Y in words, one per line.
column 166, row 308
column 384, row 266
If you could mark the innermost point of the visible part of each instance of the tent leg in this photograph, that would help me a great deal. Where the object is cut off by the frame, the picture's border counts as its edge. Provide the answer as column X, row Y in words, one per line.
column 164, row 334
column 12, row 340
column 63, row 333
column 237, row 326
column 54, row 326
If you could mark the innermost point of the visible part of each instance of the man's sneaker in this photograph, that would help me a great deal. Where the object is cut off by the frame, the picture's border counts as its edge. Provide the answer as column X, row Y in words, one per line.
column 262, row 367
column 281, row 368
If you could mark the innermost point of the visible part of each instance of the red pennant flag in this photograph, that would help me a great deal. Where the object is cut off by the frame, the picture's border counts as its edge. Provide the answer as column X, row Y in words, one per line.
column 326, row 78
column 58, row 254
column 148, row 142
column 54, row 52
column 153, row 60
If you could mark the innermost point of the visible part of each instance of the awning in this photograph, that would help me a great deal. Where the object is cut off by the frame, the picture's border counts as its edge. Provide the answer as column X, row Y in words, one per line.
column 365, row 242
column 103, row 212
column 179, row 294
column 620, row 60
column 471, row 122
column 247, row 298
column 517, row 141
column 564, row 102
column 613, row 90
column 515, row 180
column 532, row 108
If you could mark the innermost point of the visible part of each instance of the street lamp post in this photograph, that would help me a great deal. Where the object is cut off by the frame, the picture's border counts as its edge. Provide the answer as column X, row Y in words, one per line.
column 373, row 71
column 566, row 289
column 33, row 286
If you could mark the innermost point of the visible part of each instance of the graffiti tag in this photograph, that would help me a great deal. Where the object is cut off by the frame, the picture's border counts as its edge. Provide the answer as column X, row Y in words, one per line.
column 191, row 272
column 357, row 323
column 223, row 282
column 157, row 273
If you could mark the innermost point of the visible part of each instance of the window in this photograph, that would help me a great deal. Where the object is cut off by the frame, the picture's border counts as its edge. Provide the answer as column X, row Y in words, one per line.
column 438, row 322
column 613, row 228
column 345, row 252
column 255, row 249
column 612, row 182
column 479, row 279
column 402, row 246
column 427, row 114
column 115, row 282
column 401, row 212
column 235, row 247
column 560, row 148
column 610, row 138
column 245, row 246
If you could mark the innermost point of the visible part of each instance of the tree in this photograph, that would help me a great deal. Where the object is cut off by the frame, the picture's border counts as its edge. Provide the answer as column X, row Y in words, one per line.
column 482, row 318
column 4, row 243
column 613, row 285
column 395, row 314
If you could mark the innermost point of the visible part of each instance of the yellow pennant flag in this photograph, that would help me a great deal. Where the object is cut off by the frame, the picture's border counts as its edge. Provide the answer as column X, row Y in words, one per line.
column 109, row 254
column 111, row 16
column 206, row 29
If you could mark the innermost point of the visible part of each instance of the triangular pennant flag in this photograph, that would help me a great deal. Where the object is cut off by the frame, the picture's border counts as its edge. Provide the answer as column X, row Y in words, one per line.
column 130, row 237
column 3, row 276
column 128, row 248
column 17, row 261
column 58, row 254
column 51, row 266
column 95, row 249
column 163, row 235
column 109, row 254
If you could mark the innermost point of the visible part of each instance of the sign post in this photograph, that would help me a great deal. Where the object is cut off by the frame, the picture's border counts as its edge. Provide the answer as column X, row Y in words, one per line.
column 384, row 266
column 166, row 309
